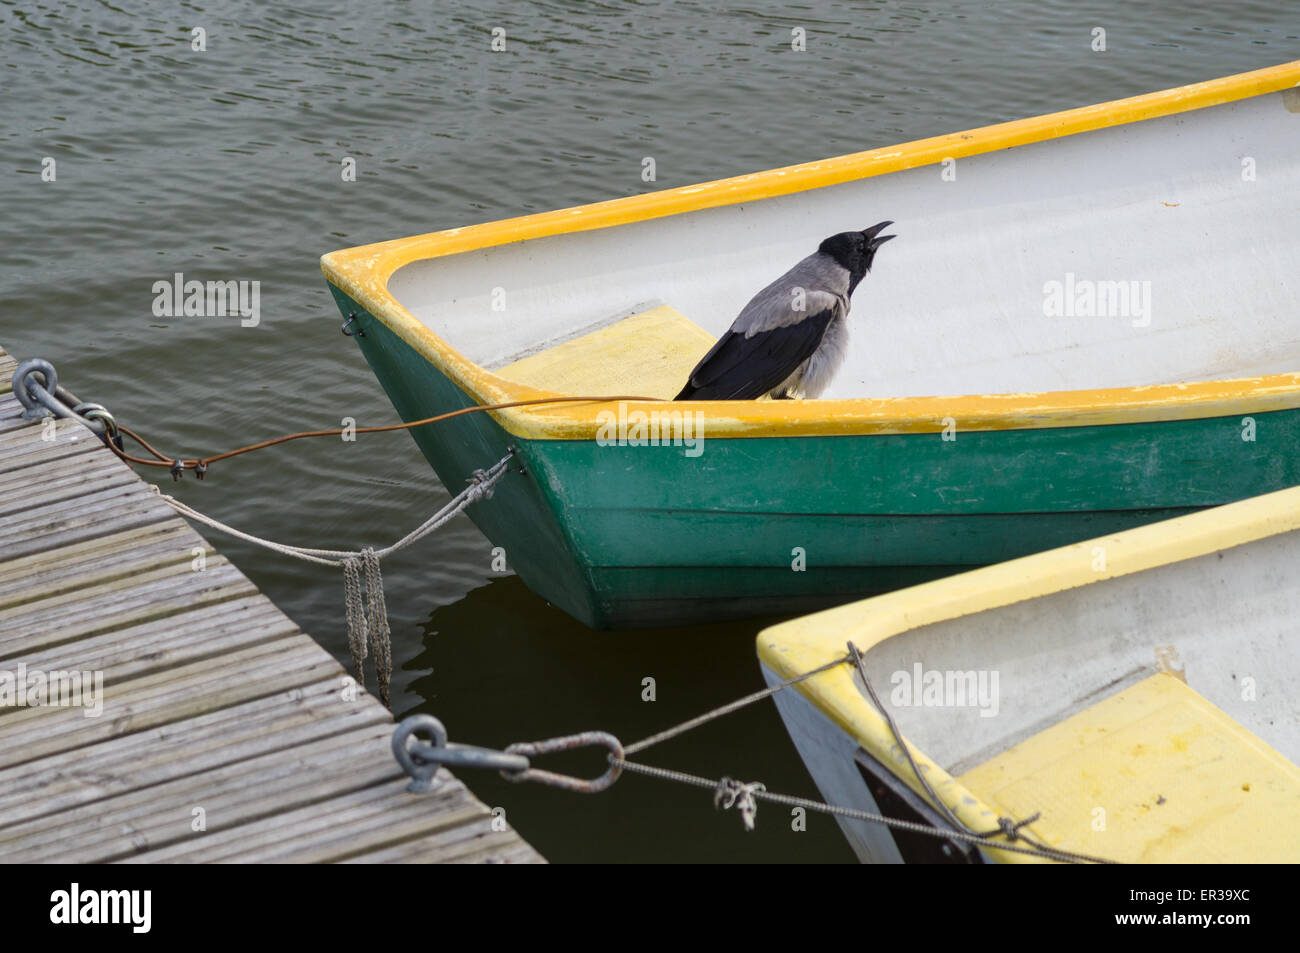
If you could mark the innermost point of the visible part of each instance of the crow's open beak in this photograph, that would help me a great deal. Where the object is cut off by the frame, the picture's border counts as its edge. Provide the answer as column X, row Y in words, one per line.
column 870, row 234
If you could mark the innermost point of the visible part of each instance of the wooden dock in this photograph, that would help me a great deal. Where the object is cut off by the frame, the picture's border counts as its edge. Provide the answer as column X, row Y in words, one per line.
column 225, row 734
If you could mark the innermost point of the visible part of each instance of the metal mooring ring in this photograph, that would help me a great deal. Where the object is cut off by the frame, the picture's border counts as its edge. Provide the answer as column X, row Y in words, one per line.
column 49, row 382
column 421, row 761
column 98, row 412
column 421, row 772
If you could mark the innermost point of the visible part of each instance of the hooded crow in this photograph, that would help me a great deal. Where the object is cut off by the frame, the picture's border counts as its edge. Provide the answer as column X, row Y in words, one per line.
column 793, row 335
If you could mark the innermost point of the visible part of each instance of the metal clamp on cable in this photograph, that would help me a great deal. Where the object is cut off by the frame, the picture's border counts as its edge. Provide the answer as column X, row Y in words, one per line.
column 421, row 761
column 36, row 385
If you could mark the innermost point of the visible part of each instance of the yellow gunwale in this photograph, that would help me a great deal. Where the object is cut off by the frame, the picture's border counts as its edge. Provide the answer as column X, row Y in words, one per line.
column 804, row 644
column 363, row 273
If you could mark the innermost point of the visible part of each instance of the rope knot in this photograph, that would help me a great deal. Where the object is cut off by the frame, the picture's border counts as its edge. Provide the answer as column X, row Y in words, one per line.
column 731, row 793
column 1012, row 828
column 481, row 486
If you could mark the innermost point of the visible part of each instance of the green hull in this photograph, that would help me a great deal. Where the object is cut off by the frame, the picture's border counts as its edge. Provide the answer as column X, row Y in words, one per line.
column 633, row 536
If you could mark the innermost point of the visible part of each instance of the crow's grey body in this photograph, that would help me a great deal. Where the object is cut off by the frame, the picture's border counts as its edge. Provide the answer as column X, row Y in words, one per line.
column 814, row 375
column 793, row 335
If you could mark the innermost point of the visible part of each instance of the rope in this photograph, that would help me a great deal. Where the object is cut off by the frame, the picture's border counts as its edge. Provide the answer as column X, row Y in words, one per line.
column 744, row 796
column 728, row 708
column 480, row 487
column 365, row 608
column 355, row 611
column 1006, row 826
column 898, row 739
column 377, row 630
column 722, row 790
column 367, row 615
column 730, row 791
column 177, row 465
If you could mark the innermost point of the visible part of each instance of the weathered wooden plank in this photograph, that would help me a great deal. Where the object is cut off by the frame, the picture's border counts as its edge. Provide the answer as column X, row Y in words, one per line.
column 58, row 601
column 332, row 821
column 108, row 830
column 167, row 643
column 211, row 697
column 88, row 473
column 157, row 593
column 21, row 446
column 112, row 556
column 509, row 849
column 11, row 412
column 20, row 434
column 163, row 814
column 19, row 489
column 400, row 817
column 156, row 699
column 23, row 433
column 476, row 842
column 7, row 367
column 389, row 822
column 72, row 521
column 305, row 823
column 179, row 749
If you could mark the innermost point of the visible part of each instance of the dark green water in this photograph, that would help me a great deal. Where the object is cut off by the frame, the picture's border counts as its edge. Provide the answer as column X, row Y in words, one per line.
column 224, row 164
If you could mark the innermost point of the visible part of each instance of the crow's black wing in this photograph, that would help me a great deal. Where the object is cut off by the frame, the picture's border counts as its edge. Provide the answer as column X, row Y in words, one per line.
column 741, row 368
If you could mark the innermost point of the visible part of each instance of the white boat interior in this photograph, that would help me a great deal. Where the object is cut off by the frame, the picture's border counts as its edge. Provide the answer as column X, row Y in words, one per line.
column 1184, row 230
column 1223, row 623
column 1148, row 716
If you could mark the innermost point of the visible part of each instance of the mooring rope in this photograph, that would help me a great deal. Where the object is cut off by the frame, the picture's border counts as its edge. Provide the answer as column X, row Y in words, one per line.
column 178, row 465
column 898, row 738
column 35, row 384
column 728, row 708
column 45, row 397
column 355, row 611
column 377, row 631
column 727, row 792
column 366, row 610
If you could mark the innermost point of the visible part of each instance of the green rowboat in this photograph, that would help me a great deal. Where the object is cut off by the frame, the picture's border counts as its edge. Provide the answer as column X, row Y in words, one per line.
column 1109, row 294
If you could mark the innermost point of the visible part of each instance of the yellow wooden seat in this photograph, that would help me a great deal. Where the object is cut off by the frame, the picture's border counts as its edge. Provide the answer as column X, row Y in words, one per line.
column 645, row 355
column 1153, row 773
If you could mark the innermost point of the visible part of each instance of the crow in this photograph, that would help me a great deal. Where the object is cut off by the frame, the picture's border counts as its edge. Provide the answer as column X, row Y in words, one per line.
column 793, row 335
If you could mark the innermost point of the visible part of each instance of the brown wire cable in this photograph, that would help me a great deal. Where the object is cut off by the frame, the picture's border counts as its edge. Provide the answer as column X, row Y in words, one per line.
column 201, row 463
column 144, row 443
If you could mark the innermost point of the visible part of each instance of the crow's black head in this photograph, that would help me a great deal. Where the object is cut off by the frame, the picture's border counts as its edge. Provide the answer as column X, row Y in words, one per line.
column 856, row 250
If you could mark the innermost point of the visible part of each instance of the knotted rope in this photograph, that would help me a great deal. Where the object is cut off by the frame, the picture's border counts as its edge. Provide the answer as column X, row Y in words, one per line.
column 740, row 795
column 368, row 619
column 365, row 608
